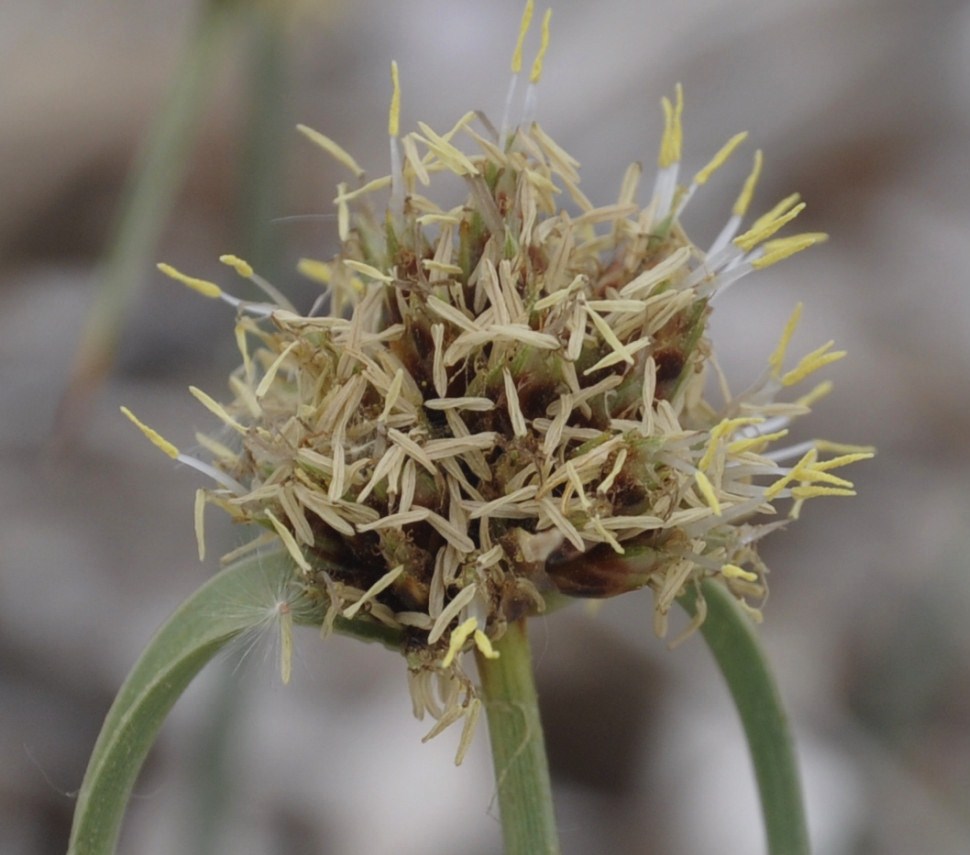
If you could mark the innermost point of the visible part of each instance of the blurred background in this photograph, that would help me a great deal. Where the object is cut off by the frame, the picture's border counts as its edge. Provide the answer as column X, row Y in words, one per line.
column 861, row 105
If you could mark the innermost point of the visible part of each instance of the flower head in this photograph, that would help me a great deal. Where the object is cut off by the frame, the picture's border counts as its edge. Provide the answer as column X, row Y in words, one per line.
column 508, row 398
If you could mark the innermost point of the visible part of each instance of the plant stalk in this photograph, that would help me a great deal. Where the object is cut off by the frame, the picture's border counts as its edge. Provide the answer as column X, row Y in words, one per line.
column 518, row 749
column 732, row 640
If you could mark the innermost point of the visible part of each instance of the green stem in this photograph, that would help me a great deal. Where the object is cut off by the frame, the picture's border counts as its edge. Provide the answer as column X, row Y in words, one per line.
column 731, row 638
column 518, row 749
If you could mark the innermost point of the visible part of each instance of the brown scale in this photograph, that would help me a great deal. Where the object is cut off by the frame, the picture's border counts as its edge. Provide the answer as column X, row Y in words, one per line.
column 673, row 345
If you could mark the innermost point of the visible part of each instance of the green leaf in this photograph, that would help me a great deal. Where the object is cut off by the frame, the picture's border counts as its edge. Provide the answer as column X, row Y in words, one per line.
column 731, row 638
column 247, row 596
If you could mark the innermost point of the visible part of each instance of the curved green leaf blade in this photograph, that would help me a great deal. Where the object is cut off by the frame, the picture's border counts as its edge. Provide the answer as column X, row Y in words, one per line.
column 255, row 592
column 731, row 638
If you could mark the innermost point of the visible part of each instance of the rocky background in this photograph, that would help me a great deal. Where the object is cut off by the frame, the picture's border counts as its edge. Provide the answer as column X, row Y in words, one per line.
column 861, row 105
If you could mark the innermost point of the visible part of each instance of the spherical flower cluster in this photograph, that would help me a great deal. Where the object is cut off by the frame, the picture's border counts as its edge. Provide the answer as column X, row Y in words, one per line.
column 508, row 398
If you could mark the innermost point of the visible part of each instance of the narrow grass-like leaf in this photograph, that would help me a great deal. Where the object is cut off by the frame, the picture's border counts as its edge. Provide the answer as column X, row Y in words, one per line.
column 246, row 596
column 731, row 638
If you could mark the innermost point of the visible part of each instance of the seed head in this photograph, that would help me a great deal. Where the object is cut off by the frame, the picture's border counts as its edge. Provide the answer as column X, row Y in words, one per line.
column 508, row 398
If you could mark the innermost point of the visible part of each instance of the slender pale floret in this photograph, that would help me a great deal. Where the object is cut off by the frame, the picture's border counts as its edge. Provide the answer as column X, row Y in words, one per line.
column 169, row 449
column 393, row 129
column 516, row 68
column 535, row 75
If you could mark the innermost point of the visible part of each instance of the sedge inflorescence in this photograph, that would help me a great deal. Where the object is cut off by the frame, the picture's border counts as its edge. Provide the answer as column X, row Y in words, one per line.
column 508, row 398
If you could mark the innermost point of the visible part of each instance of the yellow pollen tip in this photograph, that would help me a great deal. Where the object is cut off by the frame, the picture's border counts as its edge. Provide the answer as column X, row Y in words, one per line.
column 458, row 638
column 536, row 72
column 721, row 430
column 394, row 114
column 811, row 363
column 236, row 263
column 739, row 446
column 484, row 645
column 732, row 571
column 778, row 356
column 318, row 271
column 523, row 29
column 826, row 445
column 812, row 492
column 152, row 435
column 671, row 143
column 330, row 147
column 782, row 208
column 820, row 391
column 779, row 250
column 203, row 286
column 747, row 191
column 843, row 460
column 707, row 491
column 765, row 227
column 720, row 158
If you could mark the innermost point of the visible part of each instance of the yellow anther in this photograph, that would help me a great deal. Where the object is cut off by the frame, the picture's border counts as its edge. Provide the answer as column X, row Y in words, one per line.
column 739, row 446
column 459, row 636
column 810, row 492
column 536, row 72
column 782, row 208
column 719, row 431
column 732, row 571
column 820, row 391
column 330, row 147
column 153, row 435
column 804, row 464
column 719, row 159
column 825, row 445
column 777, row 358
column 318, row 271
column 707, row 491
column 779, row 250
column 843, row 459
column 820, row 477
column 394, row 114
column 747, row 191
column 484, row 645
column 216, row 409
column 765, row 228
column 670, row 144
column 811, row 363
column 236, row 263
column 523, row 29
column 203, row 286
column 728, row 426
column 774, row 489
